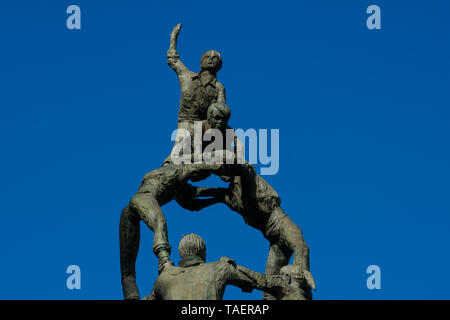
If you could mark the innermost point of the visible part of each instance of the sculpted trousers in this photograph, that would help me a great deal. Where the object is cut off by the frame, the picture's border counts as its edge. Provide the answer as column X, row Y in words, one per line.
column 286, row 239
column 143, row 206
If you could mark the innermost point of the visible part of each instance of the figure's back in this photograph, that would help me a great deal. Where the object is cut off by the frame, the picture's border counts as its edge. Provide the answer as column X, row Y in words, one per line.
column 160, row 182
column 197, row 282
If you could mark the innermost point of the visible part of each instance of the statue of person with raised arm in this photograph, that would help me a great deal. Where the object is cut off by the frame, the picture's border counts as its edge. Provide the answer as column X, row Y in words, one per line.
column 198, row 89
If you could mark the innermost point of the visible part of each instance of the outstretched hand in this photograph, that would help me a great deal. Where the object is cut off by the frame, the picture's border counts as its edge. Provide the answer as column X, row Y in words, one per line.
column 173, row 38
column 176, row 31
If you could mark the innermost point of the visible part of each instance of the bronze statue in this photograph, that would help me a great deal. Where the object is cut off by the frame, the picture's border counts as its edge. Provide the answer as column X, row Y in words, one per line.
column 198, row 90
column 203, row 103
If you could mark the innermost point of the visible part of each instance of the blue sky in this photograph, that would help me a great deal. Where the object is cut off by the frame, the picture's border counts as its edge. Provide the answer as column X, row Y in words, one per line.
column 364, row 137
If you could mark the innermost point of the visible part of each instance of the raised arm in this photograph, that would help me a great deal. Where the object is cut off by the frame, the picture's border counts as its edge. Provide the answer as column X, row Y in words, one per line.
column 173, row 58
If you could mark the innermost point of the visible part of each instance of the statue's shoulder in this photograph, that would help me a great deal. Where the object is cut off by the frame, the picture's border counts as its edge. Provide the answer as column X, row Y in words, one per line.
column 166, row 170
column 169, row 274
column 154, row 173
column 219, row 84
column 187, row 75
column 227, row 260
column 224, row 267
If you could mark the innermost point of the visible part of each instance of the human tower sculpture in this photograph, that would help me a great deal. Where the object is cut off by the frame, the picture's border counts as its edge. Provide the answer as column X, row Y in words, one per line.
column 203, row 104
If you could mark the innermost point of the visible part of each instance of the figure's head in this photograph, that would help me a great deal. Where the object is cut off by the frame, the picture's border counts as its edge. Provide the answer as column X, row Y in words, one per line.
column 211, row 61
column 192, row 245
column 218, row 115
